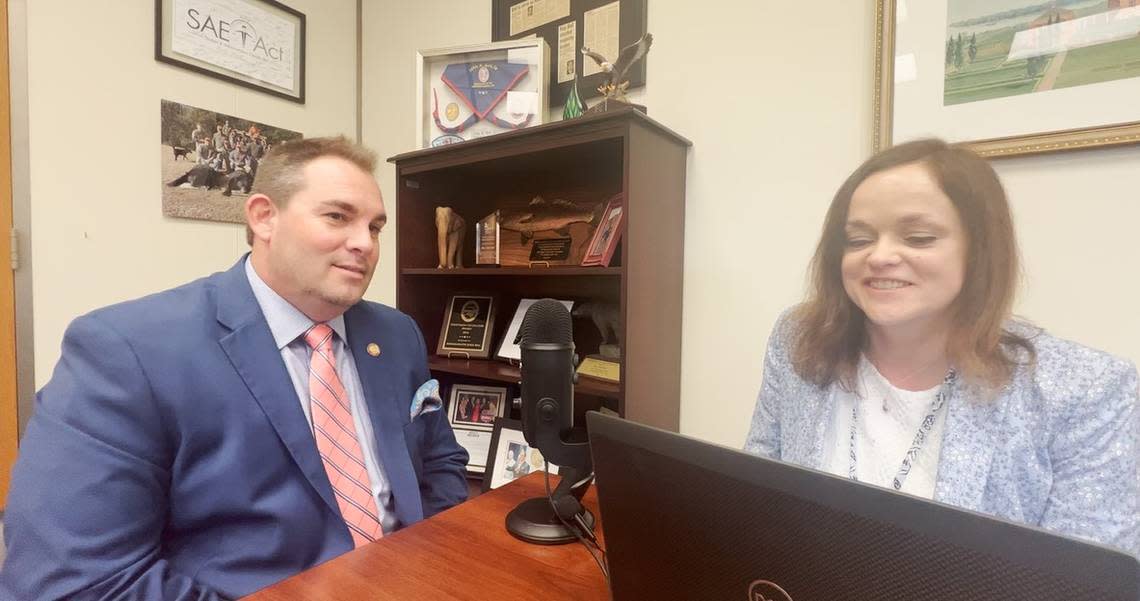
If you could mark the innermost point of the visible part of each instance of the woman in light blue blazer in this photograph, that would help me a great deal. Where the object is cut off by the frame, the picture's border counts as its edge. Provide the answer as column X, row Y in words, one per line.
column 904, row 368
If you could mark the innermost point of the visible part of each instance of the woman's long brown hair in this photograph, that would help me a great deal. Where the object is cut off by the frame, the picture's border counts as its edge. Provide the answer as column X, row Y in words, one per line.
column 831, row 329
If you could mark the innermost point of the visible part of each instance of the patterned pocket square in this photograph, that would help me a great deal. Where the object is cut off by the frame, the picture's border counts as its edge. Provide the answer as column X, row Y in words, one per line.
column 426, row 399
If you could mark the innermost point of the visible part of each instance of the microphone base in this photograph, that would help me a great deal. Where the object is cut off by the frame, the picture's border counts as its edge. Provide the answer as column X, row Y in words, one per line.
column 534, row 521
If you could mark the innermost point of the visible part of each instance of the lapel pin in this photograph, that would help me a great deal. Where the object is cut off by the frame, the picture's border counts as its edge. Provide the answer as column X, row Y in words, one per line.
column 373, row 349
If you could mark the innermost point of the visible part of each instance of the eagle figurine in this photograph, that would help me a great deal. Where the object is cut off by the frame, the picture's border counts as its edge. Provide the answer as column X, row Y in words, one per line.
column 616, row 84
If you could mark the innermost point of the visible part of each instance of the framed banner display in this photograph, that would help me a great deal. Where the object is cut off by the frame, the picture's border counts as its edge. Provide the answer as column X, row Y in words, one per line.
column 603, row 26
column 472, row 411
column 259, row 44
column 469, row 92
column 511, row 457
column 467, row 324
column 1008, row 77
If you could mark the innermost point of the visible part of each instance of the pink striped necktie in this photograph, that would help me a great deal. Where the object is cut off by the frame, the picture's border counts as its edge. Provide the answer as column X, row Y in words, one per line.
column 335, row 433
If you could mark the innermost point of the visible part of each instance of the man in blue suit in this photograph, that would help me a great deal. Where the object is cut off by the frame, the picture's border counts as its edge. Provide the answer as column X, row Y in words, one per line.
column 191, row 446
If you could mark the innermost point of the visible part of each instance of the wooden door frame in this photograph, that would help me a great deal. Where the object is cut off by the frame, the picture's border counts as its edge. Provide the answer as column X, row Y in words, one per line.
column 9, row 399
column 20, row 190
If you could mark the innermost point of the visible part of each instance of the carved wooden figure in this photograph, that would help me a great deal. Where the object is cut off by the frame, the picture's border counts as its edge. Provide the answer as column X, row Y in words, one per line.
column 450, row 228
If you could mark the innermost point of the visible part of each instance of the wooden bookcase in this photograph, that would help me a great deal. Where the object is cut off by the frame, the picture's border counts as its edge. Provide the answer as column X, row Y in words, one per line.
column 586, row 159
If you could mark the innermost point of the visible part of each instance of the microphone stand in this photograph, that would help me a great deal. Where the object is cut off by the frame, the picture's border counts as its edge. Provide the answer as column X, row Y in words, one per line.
column 543, row 520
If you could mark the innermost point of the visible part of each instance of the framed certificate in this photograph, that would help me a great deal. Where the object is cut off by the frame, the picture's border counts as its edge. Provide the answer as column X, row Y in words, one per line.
column 259, row 44
column 467, row 324
column 605, row 26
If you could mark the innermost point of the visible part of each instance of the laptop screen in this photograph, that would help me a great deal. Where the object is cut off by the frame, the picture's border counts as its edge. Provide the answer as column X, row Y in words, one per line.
column 684, row 519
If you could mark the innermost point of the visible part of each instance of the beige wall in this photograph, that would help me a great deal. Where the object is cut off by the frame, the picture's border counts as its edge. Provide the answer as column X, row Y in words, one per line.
column 393, row 30
column 98, row 234
column 769, row 151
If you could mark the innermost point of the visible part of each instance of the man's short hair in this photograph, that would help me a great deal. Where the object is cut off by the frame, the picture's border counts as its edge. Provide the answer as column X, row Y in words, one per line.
column 281, row 174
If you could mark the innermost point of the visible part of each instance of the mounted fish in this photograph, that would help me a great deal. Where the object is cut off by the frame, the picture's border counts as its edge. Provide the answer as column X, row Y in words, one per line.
column 549, row 232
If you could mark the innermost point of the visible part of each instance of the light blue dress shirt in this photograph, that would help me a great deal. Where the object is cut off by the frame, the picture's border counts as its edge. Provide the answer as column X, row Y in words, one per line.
column 288, row 324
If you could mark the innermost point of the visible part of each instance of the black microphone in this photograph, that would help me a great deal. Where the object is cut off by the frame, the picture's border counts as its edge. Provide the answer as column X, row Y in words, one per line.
column 547, row 347
column 546, row 341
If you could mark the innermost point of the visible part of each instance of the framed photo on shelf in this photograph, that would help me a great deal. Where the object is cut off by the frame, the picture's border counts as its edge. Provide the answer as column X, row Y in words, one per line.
column 467, row 324
column 468, row 92
column 476, row 407
column 259, row 44
column 511, row 456
column 472, row 411
column 1008, row 77
column 606, row 235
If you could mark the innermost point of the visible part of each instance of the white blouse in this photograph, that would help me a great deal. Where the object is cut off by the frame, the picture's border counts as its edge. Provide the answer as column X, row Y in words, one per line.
column 889, row 418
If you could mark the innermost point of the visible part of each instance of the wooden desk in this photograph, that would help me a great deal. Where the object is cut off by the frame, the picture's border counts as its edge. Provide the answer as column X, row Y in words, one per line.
column 462, row 553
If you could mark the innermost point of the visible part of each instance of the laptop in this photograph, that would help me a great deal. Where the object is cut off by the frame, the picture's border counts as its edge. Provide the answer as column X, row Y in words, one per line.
column 688, row 520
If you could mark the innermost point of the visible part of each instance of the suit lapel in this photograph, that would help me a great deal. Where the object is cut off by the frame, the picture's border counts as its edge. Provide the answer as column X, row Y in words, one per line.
column 387, row 410
column 967, row 450
column 254, row 355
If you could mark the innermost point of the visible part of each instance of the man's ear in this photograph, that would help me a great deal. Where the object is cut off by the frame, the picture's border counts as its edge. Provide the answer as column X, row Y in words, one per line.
column 261, row 215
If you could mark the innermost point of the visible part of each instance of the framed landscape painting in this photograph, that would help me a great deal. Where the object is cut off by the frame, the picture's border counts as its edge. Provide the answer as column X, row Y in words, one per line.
column 1008, row 77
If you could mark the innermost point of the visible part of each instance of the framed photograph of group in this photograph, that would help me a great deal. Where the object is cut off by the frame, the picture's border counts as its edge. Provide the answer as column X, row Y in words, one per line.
column 209, row 160
column 511, row 457
column 603, row 26
column 472, row 411
column 1008, row 77
column 468, row 92
column 259, row 44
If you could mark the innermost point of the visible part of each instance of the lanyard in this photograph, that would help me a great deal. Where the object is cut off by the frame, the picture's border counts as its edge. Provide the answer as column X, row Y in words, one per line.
column 919, row 437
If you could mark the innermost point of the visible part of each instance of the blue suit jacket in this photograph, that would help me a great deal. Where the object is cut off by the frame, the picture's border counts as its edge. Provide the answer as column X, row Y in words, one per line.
column 169, row 458
column 1058, row 448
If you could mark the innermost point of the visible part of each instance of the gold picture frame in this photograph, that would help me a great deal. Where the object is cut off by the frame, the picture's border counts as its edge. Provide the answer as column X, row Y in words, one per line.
column 1050, row 139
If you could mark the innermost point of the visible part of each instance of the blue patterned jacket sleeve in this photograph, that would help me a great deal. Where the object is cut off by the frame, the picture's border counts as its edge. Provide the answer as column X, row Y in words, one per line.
column 1094, row 454
column 764, row 434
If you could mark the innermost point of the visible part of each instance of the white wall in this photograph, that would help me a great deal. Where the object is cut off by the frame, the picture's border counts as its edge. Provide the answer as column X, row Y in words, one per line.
column 393, row 30
column 1076, row 217
column 98, row 234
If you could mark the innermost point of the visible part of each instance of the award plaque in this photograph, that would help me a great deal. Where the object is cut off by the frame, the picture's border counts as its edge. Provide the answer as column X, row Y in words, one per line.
column 601, row 368
column 467, row 324
column 550, row 250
